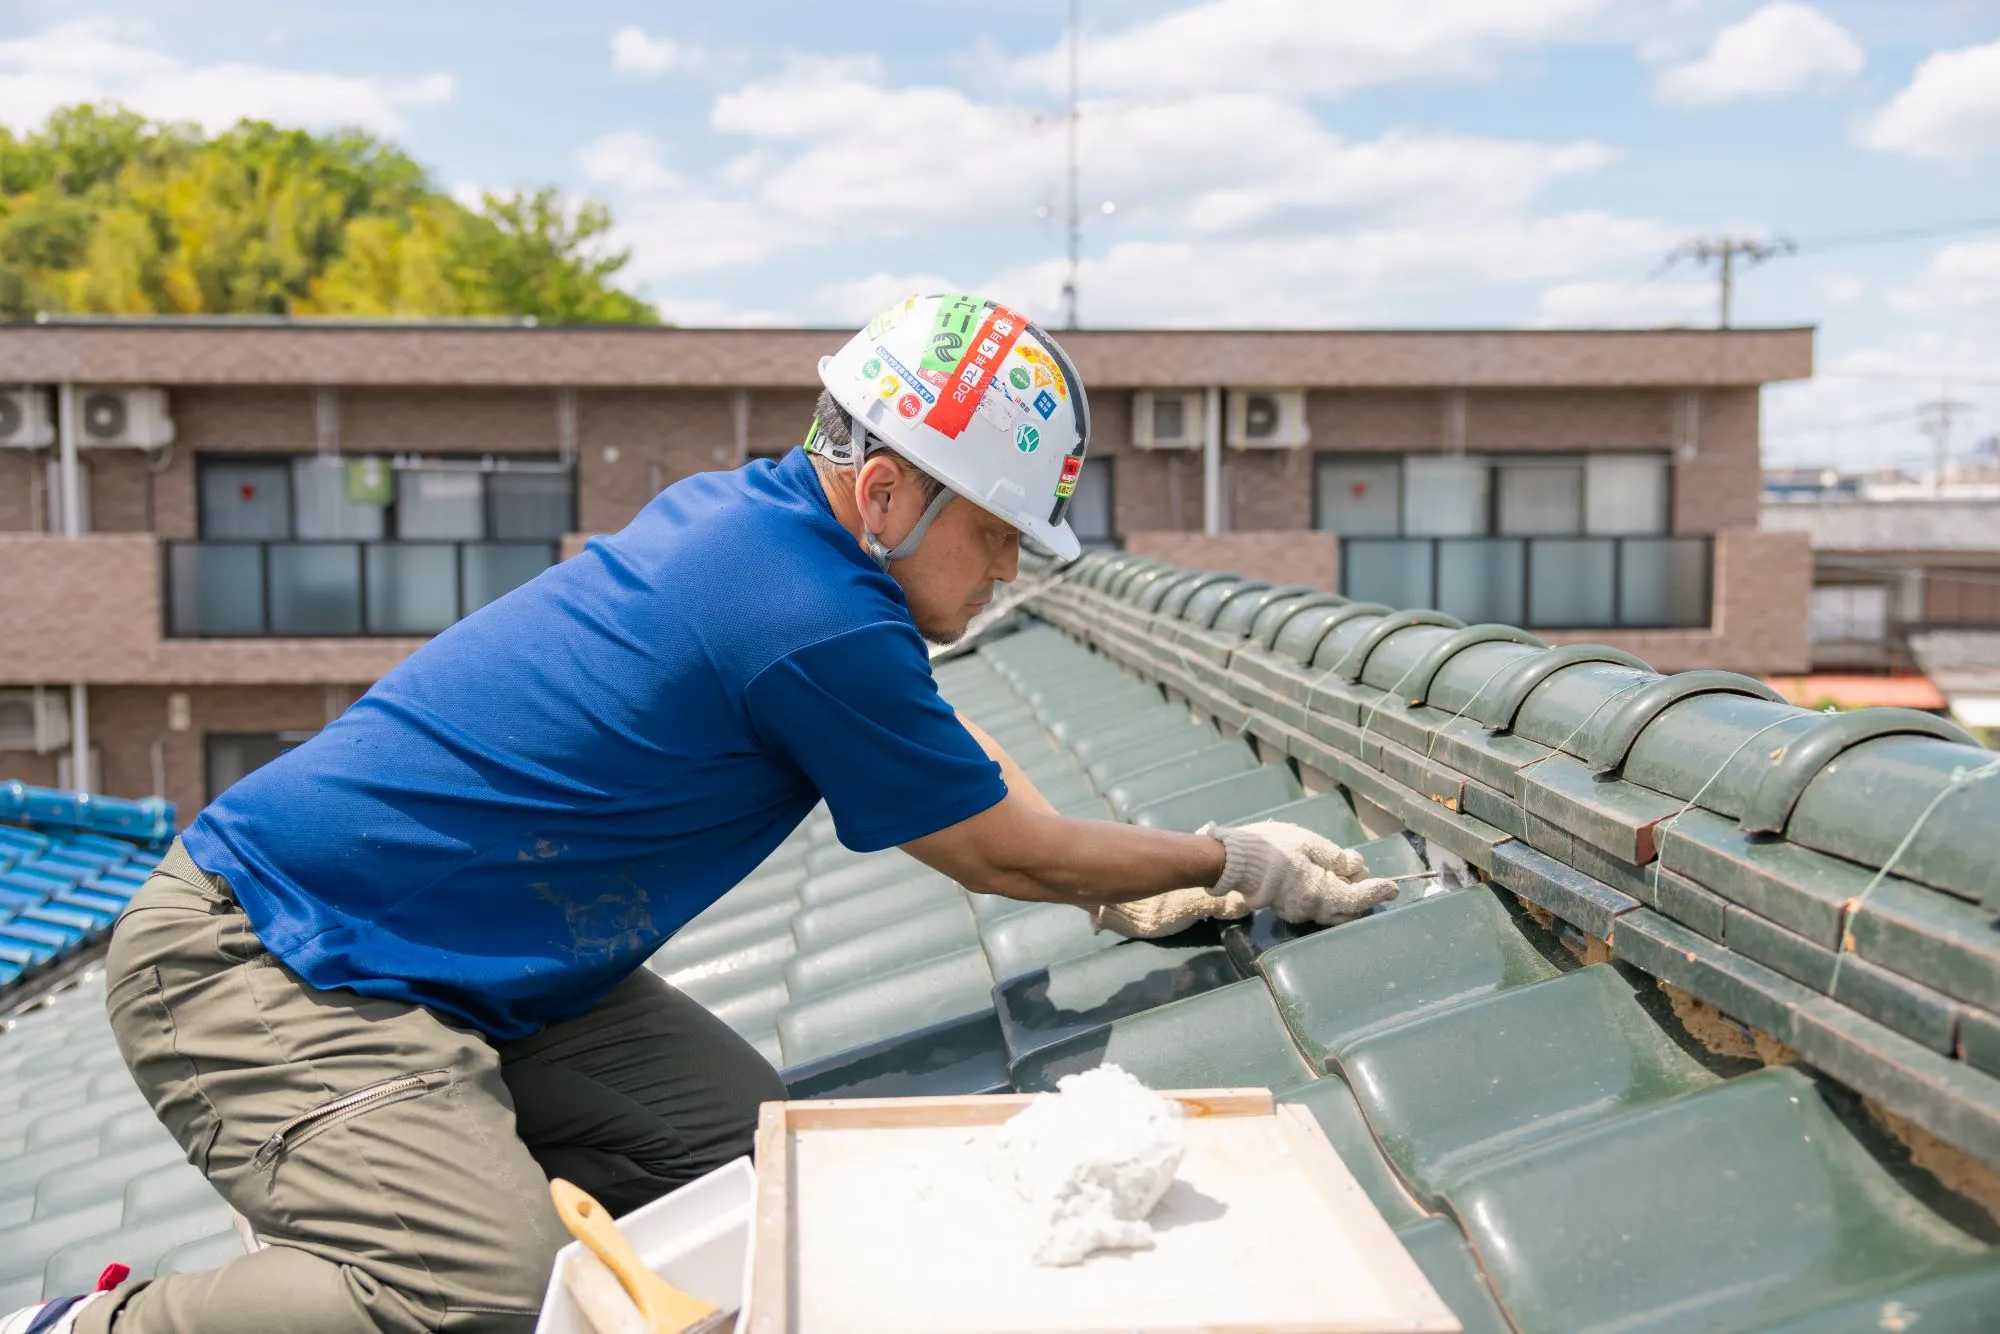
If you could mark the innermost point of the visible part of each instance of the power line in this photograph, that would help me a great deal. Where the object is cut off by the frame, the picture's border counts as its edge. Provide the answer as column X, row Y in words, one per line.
column 1844, row 424
column 1918, row 233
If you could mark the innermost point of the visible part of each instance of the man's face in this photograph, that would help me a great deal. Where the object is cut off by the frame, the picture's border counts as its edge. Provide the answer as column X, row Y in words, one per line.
column 949, row 579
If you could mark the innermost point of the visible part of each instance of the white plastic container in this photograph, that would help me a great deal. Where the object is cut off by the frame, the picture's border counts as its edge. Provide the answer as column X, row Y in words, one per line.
column 697, row 1238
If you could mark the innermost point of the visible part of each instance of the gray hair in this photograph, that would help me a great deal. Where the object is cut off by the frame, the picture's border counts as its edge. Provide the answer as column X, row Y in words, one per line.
column 833, row 427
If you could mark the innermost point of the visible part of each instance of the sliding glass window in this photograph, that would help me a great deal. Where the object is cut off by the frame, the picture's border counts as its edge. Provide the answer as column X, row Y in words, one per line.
column 313, row 545
column 1569, row 541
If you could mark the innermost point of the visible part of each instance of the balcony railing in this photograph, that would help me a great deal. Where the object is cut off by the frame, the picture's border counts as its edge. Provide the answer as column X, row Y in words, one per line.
column 299, row 589
column 1544, row 583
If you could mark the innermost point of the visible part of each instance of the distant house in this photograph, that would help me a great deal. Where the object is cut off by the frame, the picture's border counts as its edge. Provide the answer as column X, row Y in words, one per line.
column 1901, row 589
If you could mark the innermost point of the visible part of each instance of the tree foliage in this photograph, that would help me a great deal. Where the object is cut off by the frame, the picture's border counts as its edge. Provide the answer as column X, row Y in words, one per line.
column 105, row 212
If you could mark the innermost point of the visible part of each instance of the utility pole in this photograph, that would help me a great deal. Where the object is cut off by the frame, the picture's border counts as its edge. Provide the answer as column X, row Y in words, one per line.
column 1723, row 251
column 1935, row 419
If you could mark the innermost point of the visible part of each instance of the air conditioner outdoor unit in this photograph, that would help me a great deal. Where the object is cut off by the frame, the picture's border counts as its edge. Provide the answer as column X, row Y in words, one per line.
column 24, row 419
column 113, row 417
column 1167, row 419
column 34, row 719
column 1268, row 419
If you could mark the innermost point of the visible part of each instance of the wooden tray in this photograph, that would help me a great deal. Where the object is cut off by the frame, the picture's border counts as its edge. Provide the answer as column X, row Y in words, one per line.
column 878, row 1215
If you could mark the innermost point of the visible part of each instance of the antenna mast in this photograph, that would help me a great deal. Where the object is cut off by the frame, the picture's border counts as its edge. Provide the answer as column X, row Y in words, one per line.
column 1074, row 215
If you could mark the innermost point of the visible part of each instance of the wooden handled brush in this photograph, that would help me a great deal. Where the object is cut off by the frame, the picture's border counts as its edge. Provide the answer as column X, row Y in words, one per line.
column 619, row 1294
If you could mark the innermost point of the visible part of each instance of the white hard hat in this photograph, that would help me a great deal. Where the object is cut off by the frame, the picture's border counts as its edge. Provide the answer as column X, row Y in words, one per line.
column 976, row 396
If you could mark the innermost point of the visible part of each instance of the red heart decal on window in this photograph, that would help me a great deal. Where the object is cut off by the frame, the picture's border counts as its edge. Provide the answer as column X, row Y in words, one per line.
column 247, row 490
column 1357, row 489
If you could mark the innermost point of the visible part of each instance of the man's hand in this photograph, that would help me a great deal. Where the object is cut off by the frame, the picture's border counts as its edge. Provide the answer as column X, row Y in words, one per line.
column 1295, row 872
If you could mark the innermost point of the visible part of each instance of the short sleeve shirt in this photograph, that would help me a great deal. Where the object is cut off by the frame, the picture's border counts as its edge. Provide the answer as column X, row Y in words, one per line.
column 514, row 818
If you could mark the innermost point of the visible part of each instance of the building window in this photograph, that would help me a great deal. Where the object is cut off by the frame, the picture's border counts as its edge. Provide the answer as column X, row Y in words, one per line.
column 313, row 545
column 1360, row 497
column 1850, row 614
column 230, row 755
column 1962, row 597
column 1576, row 541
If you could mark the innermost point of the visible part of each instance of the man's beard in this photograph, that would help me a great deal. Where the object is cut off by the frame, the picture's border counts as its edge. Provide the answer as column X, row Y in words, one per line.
column 942, row 638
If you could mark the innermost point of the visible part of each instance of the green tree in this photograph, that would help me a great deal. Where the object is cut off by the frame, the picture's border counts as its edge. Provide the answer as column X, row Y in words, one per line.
column 105, row 212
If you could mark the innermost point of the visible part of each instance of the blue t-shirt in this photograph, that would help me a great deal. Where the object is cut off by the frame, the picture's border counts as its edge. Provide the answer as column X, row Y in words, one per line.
column 513, row 819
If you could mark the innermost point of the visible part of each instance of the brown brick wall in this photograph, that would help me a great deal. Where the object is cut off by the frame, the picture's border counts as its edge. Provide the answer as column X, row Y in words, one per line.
column 1288, row 557
column 126, row 722
column 662, row 436
column 1722, row 485
column 88, row 609
column 1269, row 488
column 1370, row 421
column 22, row 506
column 122, row 485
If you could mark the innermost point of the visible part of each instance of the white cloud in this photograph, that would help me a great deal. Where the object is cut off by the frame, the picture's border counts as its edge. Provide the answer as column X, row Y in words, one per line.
column 104, row 61
column 1960, row 281
column 1616, row 304
column 1782, row 48
column 1311, row 47
column 1950, row 109
column 818, row 173
column 633, row 52
column 1287, row 281
column 1940, row 337
column 1841, row 289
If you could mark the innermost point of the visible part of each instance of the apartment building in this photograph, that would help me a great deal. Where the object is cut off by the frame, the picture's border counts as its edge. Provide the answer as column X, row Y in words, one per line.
column 214, row 534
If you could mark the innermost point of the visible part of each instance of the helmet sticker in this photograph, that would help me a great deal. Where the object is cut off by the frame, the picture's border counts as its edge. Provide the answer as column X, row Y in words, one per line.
column 951, row 327
column 909, row 406
column 888, row 386
column 1045, row 404
column 1046, row 372
column 1020, row 377
column 1027, row 439
column 1072, row 469
column 917, row 387
column 989, row 345
column 889, row 318
column 871, row 368
column 1001, row 410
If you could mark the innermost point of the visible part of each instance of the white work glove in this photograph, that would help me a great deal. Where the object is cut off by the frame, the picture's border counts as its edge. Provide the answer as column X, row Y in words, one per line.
column 1165, row 914
column 1294, row 872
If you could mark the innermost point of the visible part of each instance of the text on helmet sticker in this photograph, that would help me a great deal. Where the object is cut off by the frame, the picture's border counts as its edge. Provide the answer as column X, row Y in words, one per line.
column 990, row 344
column 917, row 387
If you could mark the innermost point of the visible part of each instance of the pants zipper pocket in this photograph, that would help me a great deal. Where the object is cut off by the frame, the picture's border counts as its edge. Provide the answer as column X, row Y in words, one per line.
column 301, row 1127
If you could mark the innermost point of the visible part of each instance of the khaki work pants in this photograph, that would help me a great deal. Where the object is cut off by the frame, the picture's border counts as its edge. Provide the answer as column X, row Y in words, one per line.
column 395, row 1163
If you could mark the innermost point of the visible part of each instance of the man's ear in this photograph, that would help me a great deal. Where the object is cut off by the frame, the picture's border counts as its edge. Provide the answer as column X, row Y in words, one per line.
column 874, row 487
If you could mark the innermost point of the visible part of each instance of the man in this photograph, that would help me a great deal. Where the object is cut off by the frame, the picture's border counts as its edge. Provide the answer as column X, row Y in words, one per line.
column 388, row 985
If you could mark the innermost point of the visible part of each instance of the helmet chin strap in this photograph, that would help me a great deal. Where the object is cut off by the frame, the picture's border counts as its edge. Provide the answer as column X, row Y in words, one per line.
column 858, row 435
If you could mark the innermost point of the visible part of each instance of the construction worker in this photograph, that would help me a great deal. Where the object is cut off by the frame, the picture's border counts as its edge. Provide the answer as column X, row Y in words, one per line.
column 388, row 985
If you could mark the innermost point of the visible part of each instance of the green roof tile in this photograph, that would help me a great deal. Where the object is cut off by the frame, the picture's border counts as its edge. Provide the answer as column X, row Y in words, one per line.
column 1614, row 1227
column 1336, row 987
column 1077, row 995
column 1227, row 1038
column 1461, row 1086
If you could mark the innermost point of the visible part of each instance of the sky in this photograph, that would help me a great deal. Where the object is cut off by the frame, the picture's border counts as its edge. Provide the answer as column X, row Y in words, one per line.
column 1249, row 163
